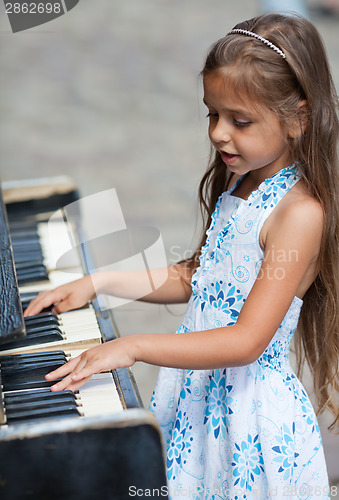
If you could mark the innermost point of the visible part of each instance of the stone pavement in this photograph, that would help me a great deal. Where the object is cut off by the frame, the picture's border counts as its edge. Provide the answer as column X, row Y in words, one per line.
column 110, row 94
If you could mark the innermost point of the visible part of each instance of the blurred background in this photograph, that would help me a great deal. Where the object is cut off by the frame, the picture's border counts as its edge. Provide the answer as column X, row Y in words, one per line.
column 110, row 94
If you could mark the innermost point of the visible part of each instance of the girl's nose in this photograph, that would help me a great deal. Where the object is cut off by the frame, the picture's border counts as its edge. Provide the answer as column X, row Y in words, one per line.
column 220, row 132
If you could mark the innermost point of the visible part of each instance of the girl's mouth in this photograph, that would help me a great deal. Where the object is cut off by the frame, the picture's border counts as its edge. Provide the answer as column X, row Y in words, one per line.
column 228, row 158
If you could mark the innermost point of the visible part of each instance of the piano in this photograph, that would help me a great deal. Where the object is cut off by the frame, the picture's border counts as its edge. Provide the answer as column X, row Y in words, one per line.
column 98, row 442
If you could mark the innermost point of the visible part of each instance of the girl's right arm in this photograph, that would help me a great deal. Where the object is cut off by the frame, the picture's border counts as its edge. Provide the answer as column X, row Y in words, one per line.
column 168, row 285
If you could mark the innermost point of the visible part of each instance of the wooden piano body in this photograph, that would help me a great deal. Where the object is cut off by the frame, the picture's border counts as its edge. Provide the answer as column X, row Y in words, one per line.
column 111, row 453
column 113, row 457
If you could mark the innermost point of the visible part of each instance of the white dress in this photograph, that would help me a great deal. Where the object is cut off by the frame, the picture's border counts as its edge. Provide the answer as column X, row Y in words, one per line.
column 248, row 432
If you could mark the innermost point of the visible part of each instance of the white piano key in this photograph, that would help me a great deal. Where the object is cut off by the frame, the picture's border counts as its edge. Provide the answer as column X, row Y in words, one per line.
column 79, row 328
column 99, row 396
column 56, row 240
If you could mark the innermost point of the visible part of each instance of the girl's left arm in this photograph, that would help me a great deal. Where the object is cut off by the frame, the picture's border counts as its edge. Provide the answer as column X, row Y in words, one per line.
column 289, row 265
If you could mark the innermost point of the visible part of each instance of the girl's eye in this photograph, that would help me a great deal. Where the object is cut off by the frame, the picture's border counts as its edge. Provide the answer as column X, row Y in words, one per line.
column 210, row 114
column 241, row 124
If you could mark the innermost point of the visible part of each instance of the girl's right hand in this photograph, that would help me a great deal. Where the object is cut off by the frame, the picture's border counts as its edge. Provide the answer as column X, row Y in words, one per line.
column 65, row 297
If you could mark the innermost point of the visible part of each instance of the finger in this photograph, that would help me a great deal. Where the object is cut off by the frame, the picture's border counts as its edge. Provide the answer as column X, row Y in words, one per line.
column 63, row 370
column 87, row 371
column 44, row 299
column 68, row 382
column 33, row 305
column 74, row 386
column 63, row 384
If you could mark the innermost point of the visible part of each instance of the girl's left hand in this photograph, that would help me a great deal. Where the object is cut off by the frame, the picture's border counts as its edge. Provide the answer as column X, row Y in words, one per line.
column 117, row 353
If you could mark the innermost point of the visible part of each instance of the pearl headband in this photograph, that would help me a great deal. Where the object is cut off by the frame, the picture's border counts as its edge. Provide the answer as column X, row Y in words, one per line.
column 262, row 39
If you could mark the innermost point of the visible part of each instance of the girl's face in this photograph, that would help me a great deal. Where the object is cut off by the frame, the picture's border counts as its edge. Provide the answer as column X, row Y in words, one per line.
column 248, row 138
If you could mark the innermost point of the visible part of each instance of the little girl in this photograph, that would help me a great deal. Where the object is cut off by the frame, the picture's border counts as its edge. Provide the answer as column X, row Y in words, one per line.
column 236, row 421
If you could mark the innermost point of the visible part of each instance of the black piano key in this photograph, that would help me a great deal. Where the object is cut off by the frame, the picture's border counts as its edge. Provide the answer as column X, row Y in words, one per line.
column 25, row 303
column 18, row 385
column 36, row 395
column 45, row 331
column 65, row 410
column 23, row 233
column 28, row 370
column 11, row 363
column 36, row 273
column 40, row 318
column 42, row 315
column 34, row 339
column 26, row 244
column 23, row 356
column 17, row 363
column 25, row 393
column 43, row 328
column 25, row 266
column 40, row 403
column 27, row 297
column 20, row 257
column 32, row 257
column 19, row 225
column 25, row 253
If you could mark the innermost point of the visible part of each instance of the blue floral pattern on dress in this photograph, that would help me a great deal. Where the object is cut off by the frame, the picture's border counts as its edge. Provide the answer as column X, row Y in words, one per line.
column 187, row 386
column 244, row 432
column 248, row 462
column 308, row 412
column 221, row 296
column 180, row 444
column 286, row 452
column 218, row 404
column 272, row 356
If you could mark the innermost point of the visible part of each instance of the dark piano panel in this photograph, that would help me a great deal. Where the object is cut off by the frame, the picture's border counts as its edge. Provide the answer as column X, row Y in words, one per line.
column 11, row 319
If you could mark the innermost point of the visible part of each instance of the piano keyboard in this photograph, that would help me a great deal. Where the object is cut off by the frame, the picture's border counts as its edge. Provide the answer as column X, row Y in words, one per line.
column 24, row 362
column 36, row 248
column 48, row 331
column 27, row 397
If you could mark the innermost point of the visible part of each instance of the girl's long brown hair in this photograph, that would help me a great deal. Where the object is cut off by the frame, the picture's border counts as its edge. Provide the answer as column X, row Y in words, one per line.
column 254, row 70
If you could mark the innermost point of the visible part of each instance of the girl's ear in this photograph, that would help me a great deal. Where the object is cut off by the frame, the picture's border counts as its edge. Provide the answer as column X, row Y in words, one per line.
column 299, row 124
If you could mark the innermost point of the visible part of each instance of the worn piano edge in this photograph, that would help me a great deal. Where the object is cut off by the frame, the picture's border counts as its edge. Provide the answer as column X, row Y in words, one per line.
column 2, row 408
column 127, row 418
column 12, row 325
column 52, row 346
column 24, row 190
column 123, row 377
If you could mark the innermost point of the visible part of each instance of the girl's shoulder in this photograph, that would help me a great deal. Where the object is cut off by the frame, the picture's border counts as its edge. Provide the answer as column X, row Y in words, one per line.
column 299, row 202
column 298, row 209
